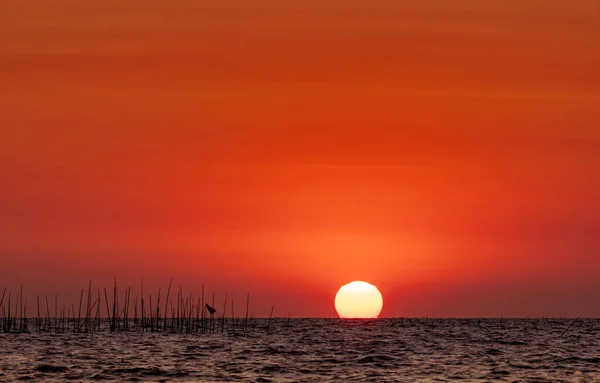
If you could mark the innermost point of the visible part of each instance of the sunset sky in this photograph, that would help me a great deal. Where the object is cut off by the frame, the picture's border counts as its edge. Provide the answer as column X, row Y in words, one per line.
column 446, row 151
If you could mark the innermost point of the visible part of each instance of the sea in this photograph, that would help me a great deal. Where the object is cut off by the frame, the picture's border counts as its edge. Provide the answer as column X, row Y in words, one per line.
column 317, row 350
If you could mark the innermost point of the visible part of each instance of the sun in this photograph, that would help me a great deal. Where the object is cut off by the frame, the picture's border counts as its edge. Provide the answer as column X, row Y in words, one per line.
column 358, row 300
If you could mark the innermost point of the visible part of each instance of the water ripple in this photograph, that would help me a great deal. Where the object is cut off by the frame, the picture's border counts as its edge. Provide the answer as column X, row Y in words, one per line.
column 311, row 350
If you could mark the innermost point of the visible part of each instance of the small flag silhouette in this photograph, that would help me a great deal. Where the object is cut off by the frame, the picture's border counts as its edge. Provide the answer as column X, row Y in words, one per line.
column 210, row 309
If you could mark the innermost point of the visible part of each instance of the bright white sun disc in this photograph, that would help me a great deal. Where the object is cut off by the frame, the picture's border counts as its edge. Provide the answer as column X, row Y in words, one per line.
column 358, row 300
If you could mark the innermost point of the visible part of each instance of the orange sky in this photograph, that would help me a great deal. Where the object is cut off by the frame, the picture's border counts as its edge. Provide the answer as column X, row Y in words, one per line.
column 448, row 152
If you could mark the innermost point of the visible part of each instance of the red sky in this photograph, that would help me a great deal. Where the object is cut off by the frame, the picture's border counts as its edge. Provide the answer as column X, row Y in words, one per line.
column 447, row 152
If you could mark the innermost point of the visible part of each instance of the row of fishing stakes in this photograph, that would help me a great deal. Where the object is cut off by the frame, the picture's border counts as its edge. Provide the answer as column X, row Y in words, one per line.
column 186, row 315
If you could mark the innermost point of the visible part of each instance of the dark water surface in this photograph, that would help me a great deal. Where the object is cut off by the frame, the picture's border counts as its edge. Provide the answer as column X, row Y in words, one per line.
column 318, row 350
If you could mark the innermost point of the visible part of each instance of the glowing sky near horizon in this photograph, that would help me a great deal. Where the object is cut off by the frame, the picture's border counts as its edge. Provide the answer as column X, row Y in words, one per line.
column 448, row 152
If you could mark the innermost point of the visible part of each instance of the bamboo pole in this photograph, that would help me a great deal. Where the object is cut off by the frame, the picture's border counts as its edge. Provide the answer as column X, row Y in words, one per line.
column 55, row 321
column 107, row 310
column 157, row 316
column 188, row 312
column 167, row 305
column 203, row 308
column 142, row 299
column 38, row 319
column 88, row 312
column 151, row 314
column 224, row 315
column 21, row 311
column 79, row 312
column 98, row 311
column 114, row 317
column 47, row 314
column 247, row 307
column 269, row 323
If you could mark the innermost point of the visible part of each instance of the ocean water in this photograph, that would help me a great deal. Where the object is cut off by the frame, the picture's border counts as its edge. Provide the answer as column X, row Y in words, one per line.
column 318, row 350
